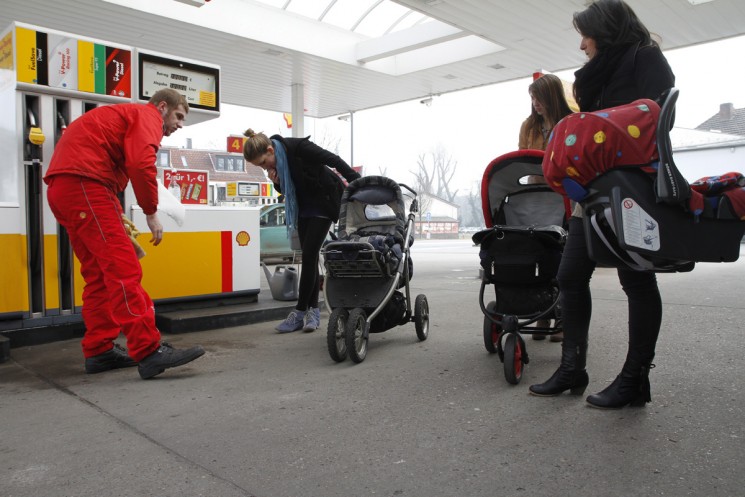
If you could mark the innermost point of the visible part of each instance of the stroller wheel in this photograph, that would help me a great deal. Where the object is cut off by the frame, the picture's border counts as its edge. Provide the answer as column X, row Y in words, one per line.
column 513, row 358
column 492, row 330
column 336, row 334
column 421, row 317
column 356, row 338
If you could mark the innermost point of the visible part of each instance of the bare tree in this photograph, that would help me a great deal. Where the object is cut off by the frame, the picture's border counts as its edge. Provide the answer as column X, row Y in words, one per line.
column 328, row 140
column 423, row 176
column 434, row 176
column 474, row 207
column 445, row 168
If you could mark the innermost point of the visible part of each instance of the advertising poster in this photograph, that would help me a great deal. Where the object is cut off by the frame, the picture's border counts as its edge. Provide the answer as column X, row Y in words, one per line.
column 91, row 67
column 191, row 184
column 31, row 54
column 118, row 72
column 63, row 62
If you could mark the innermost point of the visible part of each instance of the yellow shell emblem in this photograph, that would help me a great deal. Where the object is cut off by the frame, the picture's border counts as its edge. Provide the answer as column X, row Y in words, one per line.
column 633, row 131
column 599, row 137
column 242, row 238
column 572, row 172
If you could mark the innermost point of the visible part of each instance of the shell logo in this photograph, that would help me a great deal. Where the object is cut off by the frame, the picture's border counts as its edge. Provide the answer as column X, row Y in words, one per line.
column 242, row 238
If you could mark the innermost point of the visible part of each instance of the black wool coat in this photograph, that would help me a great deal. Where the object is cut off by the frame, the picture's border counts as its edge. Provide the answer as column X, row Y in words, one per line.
column 317, row 188
column 642, row 72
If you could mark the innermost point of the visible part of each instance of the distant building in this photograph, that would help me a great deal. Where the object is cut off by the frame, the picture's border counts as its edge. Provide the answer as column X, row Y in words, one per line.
column 437, row 218
column 232, row 181
column 728, row 120
column 715, row 146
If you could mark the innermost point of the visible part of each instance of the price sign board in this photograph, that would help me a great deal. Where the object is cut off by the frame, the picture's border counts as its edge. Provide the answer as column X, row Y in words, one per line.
column 200, row 84
column 192, row 184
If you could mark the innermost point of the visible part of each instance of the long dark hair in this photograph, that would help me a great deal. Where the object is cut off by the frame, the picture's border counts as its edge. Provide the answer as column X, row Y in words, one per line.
column 615, row 28
column 611, row 23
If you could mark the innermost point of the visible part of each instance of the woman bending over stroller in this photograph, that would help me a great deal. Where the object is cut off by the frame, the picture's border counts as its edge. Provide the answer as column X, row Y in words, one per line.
column 624, row 65
column 312, row 191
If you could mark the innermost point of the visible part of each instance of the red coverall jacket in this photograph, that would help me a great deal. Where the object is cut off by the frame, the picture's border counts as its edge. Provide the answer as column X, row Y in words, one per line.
column 95, row 146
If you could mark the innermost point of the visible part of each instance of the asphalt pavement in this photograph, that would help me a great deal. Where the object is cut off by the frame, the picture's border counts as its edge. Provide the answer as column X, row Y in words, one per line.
column 270, row 415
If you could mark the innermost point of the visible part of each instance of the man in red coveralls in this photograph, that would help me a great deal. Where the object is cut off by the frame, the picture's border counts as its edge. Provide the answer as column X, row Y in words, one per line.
column 99, row 153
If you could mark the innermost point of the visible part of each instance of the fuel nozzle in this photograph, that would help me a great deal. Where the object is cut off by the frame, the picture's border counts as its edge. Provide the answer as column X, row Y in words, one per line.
column 36, row 136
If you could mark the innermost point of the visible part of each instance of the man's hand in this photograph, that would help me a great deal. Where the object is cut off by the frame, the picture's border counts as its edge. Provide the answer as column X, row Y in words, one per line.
column 272, row 173
column 155, row 228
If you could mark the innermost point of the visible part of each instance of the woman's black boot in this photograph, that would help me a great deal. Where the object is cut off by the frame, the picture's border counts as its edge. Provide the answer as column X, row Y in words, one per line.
column 631, row 387
column 571, row 374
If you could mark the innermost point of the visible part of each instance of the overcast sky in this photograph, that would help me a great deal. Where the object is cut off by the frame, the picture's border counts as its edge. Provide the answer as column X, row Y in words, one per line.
column 472, row 127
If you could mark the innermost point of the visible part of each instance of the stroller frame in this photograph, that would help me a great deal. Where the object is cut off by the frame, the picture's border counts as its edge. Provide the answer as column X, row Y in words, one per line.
column 360, row 283
column 503, row 328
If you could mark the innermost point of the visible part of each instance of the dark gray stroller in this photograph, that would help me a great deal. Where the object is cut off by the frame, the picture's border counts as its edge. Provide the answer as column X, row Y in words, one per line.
column 367, row 265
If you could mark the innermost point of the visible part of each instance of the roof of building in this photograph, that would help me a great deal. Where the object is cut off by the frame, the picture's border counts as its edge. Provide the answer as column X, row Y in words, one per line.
column 684, row 139
column 209, row 160
column 728, row 120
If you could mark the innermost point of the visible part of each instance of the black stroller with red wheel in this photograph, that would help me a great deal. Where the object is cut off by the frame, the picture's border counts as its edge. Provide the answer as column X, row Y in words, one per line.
column 520, row 254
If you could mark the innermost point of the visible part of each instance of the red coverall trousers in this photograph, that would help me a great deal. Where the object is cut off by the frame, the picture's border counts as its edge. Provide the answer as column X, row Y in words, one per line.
column 113, row 298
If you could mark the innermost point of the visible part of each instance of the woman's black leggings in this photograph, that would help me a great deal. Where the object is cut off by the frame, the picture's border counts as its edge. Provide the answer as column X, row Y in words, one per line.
column 312, row 232
column 645, row 304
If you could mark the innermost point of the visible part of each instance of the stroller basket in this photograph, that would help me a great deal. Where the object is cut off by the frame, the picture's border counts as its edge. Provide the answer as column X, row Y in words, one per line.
column 520, row 255
column 355, row 260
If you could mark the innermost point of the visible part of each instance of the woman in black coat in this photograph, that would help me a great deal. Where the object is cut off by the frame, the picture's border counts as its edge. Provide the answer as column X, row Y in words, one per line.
column 300, row 170
column 624, row 65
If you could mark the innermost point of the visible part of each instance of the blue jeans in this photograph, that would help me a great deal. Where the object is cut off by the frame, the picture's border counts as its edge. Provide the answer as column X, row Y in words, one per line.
column 645, row 304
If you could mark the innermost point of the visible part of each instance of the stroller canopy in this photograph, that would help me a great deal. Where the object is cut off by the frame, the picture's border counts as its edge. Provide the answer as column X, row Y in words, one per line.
column 513, row 192
column 372, row 204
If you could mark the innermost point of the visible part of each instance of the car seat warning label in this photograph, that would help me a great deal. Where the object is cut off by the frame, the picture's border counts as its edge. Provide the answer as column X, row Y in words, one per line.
column 639, row 228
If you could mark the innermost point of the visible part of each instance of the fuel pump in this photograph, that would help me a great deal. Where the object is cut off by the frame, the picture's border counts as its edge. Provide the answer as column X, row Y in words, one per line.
column 64, row 249
column 35, row 239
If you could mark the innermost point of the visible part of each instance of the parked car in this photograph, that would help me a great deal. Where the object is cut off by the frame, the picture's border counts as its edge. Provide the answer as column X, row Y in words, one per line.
column 273, row 234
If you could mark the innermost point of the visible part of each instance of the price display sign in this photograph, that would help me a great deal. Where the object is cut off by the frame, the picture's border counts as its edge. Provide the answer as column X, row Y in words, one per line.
column 199, row 84
column 190, row 187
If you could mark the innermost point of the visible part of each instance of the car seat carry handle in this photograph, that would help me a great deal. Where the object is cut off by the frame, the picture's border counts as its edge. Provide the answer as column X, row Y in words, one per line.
column 671, row 187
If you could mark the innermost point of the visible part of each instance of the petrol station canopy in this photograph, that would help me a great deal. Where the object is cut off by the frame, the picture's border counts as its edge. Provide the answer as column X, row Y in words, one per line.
column 349, row 55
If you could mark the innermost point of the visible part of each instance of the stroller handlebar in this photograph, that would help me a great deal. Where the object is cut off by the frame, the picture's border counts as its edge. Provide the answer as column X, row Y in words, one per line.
column 408, row 188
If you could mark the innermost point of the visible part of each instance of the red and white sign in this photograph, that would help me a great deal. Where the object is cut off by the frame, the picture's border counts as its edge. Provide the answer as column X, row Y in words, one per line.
column 191, row 184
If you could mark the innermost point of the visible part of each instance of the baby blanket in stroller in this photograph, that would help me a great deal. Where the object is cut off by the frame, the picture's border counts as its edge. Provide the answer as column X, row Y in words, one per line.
column 715, row 189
